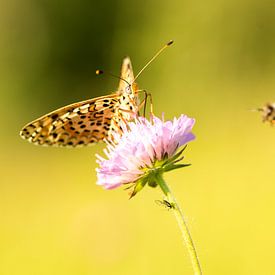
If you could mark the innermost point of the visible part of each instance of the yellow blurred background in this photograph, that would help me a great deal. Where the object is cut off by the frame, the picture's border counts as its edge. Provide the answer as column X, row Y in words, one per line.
column 55, row 220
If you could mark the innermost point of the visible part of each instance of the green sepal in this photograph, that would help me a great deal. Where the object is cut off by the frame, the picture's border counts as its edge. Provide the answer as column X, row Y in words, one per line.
column 151, row 174
column 139, row 186
column 174, row 166
column 174, row 158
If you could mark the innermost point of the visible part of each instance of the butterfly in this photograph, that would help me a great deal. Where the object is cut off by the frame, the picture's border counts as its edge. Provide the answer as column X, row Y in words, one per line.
column 93, row 120
column 90, row 121
column 268, row 113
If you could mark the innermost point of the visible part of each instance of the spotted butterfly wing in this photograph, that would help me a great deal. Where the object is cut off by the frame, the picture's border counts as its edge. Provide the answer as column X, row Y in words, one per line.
column 128, row 100
column 89, row 121
column 126, row 75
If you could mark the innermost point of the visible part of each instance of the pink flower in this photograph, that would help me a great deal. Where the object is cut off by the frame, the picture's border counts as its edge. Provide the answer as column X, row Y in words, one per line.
column 144, row 148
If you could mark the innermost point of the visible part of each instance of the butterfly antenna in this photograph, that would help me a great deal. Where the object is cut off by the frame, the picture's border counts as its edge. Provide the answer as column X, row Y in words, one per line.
column 98, row 72
column 153, row 58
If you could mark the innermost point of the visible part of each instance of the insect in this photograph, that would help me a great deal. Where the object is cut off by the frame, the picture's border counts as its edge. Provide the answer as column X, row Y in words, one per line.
column 268, row 113
column 165, row 203
column 93, row 120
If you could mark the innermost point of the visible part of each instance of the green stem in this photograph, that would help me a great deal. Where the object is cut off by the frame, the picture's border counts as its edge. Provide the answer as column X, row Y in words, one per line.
column 182, row 224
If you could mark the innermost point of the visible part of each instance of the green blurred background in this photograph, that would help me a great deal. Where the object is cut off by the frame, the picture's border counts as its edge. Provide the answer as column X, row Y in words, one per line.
column 55, row 220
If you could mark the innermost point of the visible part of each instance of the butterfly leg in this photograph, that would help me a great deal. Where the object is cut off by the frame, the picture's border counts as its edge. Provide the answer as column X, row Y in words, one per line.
column 134, row 114
column 144, row 102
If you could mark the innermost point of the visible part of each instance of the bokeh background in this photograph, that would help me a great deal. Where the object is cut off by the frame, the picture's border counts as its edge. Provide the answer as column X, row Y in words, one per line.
column 55, row 220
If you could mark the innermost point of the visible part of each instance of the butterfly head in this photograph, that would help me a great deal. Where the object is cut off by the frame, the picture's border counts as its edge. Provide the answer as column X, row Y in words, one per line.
column 130, row 89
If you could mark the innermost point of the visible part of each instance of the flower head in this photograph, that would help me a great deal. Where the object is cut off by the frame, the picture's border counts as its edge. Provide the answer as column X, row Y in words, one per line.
column 144, row 148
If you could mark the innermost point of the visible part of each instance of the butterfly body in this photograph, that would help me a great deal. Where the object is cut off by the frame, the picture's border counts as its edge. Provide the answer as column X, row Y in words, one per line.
column 90, row 121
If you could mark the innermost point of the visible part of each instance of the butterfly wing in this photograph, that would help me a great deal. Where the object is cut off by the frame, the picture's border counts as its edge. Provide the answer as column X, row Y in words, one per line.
column 126, row 75
column 128, row 101
column 128, row 90
column 81, row 123
column 89, row 121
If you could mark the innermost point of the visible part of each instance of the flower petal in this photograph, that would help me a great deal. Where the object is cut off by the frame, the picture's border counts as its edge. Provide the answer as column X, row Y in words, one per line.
column 142, row 143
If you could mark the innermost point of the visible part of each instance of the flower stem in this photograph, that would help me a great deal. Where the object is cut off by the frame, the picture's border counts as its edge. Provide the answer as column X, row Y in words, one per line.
column 182, row 224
